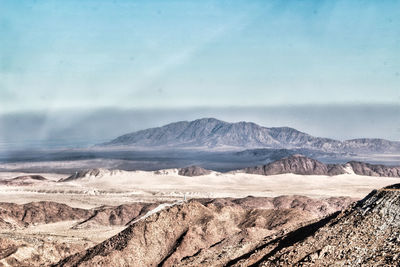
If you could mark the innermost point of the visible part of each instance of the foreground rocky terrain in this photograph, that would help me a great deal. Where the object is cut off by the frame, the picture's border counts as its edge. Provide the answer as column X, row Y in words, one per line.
column 40, row 233
column 365, row 234
column 216, row 233
column 43, row 233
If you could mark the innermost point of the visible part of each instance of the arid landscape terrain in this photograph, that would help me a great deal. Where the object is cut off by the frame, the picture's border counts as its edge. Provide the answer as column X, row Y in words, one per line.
column 281, row 213
column 199, row 133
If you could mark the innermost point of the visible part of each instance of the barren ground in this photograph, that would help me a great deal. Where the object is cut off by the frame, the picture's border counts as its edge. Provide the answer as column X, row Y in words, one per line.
column 126, row 187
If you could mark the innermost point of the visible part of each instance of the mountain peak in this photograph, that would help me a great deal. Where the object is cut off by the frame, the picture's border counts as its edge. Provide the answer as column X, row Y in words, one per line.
column 211, row 133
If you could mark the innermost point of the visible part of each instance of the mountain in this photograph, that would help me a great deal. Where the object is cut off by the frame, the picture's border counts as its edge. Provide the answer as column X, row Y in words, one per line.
column 184, row 230
column 211, row 133
column 299, row 164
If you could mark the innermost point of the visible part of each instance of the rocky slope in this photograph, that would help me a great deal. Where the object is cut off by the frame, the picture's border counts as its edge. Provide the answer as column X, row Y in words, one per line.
column 296, row 164
column 60, row 229
column 218, row 233
column 193, row 171
column 24, row 180
column 184, row 231
column 37, row 250
column 120, row 215
column 14, row 216
column 212, row 133
column 90, row 173
column 365, row 234
column 299, row 164
column 362, row 168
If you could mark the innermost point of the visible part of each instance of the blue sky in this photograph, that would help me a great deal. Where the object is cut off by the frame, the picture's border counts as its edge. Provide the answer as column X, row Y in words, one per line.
column 178, row 54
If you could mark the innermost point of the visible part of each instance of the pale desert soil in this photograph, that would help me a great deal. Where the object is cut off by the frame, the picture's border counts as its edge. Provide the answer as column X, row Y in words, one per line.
column 124, row 187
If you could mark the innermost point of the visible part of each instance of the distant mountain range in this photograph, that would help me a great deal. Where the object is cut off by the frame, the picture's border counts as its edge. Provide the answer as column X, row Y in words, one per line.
column 296, row 164
column 210, row 133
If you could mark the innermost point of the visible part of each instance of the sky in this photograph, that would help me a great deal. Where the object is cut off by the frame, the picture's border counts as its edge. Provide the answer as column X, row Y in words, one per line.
column 64, row 56
column 133, row 54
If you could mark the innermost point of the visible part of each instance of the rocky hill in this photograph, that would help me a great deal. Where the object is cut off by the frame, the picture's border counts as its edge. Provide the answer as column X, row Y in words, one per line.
column 296, row 164
column 13, row 215
column 22, row 215
column 193, row 171
column 210, row 133
column 365, row 234
column 299, row 164
column 63, row 230
column 362, row 168
column 182, row 231
column 90, row 173
column 24, row 180
column 22, row 245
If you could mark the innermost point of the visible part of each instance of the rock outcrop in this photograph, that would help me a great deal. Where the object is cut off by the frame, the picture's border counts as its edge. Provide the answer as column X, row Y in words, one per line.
column 296, row 164
column 193, row 171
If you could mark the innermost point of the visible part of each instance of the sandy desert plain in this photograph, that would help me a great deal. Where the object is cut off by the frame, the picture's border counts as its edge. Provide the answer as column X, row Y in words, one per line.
column 117, row 187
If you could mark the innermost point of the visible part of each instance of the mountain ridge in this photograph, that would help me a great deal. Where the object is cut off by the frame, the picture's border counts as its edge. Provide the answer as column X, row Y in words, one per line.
column 211, row 133
column 302, row 165
column 296, row 164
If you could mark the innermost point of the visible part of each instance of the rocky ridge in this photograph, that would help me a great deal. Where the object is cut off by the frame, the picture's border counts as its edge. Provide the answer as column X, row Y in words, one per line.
column 364, row 234
column 90, row 173
column 24, row 180
column 182, row 232
column 299, row 164
column 296, row 164
column 215, row 233
column 193, row 171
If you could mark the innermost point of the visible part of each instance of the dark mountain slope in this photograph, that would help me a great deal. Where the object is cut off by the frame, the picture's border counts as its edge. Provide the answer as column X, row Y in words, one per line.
column 365, row 234
column 299, row 164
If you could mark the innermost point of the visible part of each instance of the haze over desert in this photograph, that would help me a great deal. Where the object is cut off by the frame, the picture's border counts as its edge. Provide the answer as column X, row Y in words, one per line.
column 199, row 133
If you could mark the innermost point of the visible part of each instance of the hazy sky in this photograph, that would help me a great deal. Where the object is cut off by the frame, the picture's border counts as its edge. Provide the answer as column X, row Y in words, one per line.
column 167, row 54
